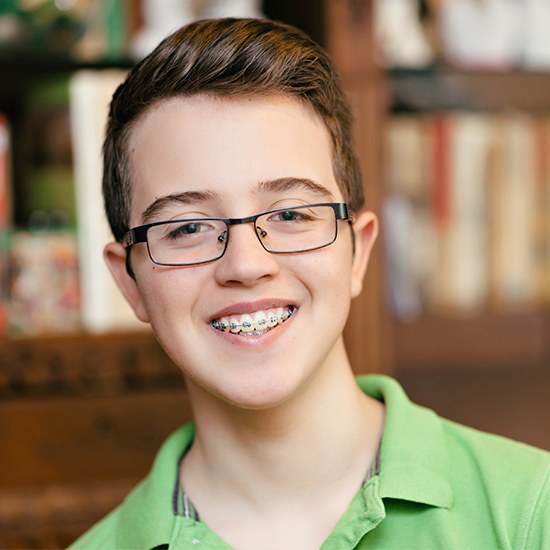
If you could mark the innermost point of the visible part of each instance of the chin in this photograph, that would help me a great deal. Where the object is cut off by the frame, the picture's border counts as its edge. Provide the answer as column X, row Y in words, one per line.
column 256, row 393
column 260, row 401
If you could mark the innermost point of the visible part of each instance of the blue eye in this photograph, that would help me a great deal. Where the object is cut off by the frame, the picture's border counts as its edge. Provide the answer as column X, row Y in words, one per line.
column 288, row 216
column 291, row 216
column 182, row 230
column 185, row 229
column 190, row 228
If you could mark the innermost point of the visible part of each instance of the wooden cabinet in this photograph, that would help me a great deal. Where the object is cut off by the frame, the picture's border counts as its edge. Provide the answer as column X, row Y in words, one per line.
column 81, row 418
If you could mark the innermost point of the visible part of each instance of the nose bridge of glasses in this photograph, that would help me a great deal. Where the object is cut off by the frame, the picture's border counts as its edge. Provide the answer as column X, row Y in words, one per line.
column 241, row 221
column 260, row 232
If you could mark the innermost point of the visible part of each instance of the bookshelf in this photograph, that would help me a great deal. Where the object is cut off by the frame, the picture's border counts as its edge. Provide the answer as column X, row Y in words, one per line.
column 487, row 367
column 82, row 414
column 444, row 87
column 492, row 337
column 118, row 395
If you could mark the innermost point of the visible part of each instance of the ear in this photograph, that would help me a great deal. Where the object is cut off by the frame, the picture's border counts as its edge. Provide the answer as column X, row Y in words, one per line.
column 115, row 258
column 365, row 228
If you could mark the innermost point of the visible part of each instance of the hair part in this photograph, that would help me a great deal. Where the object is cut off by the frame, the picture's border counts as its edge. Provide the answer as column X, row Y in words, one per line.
column 228, row 58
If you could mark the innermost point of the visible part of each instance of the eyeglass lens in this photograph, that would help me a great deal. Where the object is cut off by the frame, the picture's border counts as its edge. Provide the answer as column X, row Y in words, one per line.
column 194, row 241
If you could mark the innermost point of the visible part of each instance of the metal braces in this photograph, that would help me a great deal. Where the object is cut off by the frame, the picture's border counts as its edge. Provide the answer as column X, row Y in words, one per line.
column 247, row 324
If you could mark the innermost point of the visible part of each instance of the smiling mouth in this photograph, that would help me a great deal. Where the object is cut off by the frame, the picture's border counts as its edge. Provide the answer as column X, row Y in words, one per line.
column 254, row 324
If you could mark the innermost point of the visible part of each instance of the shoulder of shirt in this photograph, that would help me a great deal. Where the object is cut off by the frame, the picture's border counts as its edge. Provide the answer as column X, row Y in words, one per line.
column 502, row 481
column 144, row 511
column 102, row 535
column 503, row 461
column 495, row 451
column 512, row 476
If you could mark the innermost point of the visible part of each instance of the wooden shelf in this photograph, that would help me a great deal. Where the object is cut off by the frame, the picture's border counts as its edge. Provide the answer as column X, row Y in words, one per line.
column 70, row 460
column 84, row 364
column 83, row 415
column 488, row 340
column 444, row 87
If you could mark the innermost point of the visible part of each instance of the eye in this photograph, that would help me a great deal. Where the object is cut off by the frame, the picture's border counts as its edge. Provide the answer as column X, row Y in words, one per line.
column 290, row 216
column 183, row 230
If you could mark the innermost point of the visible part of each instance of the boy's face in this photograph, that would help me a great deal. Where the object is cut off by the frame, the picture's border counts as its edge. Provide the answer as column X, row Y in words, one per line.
column 229, row 156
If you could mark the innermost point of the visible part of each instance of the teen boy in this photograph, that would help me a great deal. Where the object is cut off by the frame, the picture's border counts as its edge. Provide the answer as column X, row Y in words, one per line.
column 235, row 199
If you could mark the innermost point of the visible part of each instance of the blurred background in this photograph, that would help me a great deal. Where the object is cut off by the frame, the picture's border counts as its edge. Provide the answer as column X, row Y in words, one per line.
column 452, row 106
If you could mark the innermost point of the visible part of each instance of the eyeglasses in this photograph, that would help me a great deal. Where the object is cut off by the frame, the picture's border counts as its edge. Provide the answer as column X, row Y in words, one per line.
column 197, row 241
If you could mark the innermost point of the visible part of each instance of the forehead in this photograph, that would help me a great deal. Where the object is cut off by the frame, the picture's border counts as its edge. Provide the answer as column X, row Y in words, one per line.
column 228, row 148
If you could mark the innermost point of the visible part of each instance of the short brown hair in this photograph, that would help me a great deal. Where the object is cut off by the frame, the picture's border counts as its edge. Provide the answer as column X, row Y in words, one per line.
column 228, row 57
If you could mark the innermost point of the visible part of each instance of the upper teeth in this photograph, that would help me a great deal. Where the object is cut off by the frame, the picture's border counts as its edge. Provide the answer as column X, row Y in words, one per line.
column 259, row 321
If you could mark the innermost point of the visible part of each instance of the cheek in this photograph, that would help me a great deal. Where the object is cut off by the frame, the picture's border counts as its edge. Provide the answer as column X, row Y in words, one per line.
column 327, row 274
column 168, row 293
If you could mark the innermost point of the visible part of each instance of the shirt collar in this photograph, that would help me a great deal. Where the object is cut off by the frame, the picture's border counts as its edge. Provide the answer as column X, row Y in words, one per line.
column 414, row 466
column 147, row 519
column 414, row 461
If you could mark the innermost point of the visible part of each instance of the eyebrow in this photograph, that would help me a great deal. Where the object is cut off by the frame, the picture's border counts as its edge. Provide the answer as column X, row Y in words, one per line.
column 278, row 185
column 187, row 197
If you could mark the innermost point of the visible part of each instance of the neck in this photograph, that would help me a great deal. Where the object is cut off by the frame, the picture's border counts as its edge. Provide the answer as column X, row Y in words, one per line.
column 328, row 431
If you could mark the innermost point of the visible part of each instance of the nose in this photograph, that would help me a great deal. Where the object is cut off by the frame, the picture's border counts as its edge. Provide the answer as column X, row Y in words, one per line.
column 245, row 261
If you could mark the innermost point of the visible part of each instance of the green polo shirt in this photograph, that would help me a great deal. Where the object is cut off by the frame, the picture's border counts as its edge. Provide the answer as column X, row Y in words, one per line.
column 440, row 485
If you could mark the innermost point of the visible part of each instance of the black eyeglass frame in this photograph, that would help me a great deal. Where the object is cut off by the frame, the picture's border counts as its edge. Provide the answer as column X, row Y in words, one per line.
column 138, row 234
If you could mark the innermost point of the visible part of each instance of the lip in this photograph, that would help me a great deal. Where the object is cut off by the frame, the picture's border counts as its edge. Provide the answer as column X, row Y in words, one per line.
column 251, row 307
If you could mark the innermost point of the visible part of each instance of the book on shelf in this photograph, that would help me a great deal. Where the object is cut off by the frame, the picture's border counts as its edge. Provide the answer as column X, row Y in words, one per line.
column 44, row 194
column 407, row 218
column 542, row 211
column 103, row 306
column 44, row 288
column 5, row 215
column 513, row 213
column 52, row 274
column 463, row 268
column 468, row 214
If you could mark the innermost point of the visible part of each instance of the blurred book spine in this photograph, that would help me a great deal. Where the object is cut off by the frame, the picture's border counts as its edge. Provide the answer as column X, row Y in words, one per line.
column 542, row 210
column 472, row 227
column 53, row 277
column 45, row 192
column 103, row 306
column 513, row 214
column 5, row 219
column 44, row 288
